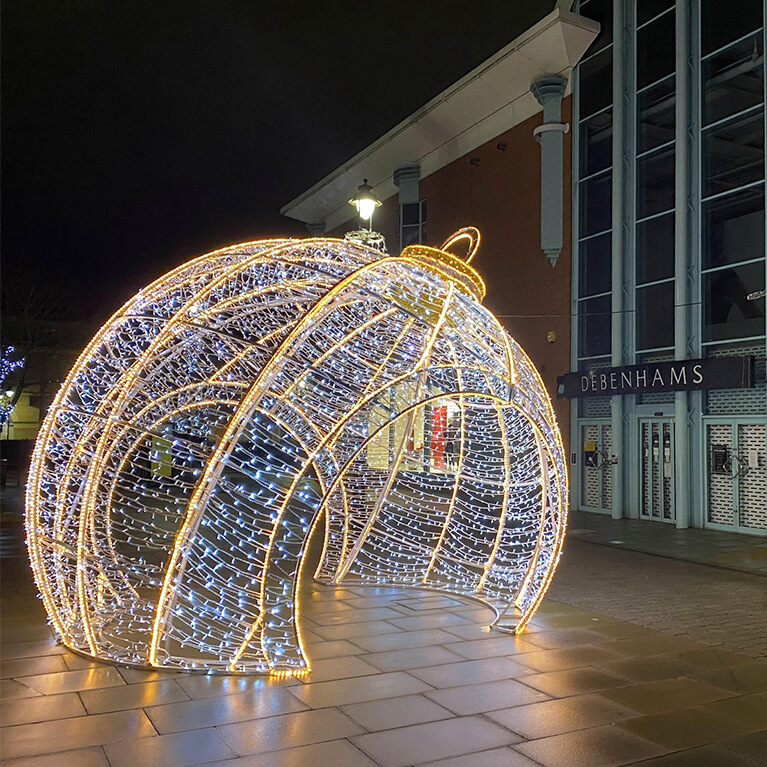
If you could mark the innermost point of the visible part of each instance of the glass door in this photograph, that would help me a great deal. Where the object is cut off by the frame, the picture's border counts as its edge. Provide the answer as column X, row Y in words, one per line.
column 596, row 471
column 736, row 497
column 657, row 480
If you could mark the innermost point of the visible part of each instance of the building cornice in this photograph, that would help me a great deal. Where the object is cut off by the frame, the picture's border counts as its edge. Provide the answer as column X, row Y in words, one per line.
column 488, row 101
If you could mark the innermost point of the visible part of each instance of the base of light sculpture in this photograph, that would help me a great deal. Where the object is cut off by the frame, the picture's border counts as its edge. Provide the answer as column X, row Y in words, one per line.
column 233, row 405
column 499, row 611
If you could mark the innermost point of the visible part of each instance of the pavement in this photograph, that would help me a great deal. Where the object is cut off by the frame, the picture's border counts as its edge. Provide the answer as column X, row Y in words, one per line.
column 686, row 588
column 633, row 659
column 730, row 551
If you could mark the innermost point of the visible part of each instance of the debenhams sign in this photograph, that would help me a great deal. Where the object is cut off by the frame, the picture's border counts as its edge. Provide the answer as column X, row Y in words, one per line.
column 687, row 375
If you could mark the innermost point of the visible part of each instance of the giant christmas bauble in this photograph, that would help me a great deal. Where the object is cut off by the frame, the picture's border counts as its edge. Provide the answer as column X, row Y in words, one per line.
column 269, row 389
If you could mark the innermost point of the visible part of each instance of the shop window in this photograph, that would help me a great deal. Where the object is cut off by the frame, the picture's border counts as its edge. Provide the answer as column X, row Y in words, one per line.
column 596, row 143
column 733, row 80
column 656, row 50
column 733, row 153
column 733, row 228
column 655, row 115
column 655, row 316
column 655, row 183
column 649, row 9
column 601, row 11
column 722, row 21
column 594, row 263
column 727, row 311
column 655, row 249
column 595, row 204
column 595, row 83
column 412, row 223
column 594, row 326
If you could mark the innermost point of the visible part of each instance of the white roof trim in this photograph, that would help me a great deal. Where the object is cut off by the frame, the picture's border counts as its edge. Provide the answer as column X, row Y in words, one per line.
column 491, row 99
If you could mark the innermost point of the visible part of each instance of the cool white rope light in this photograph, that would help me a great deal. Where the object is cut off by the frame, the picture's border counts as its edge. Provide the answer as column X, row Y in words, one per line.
column 240, row 400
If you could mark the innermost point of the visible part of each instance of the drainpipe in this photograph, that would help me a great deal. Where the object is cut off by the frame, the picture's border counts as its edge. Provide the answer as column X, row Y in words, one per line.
column 549, row 91
column 406, row 178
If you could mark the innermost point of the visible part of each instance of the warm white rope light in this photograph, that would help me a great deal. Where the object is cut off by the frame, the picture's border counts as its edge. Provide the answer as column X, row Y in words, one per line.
column 263, row 389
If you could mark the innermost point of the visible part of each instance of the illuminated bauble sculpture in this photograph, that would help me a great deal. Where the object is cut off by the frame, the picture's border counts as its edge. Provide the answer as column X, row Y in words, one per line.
column 264, row 389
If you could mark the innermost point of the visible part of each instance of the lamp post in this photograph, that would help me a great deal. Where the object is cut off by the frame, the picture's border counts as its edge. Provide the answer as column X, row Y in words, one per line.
column 365, row 202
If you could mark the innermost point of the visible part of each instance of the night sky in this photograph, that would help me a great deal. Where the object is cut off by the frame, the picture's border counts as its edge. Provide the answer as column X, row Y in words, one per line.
column 136, row 135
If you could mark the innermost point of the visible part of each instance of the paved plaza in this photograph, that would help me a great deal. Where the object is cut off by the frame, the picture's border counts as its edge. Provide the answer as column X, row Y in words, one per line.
column 634, row 659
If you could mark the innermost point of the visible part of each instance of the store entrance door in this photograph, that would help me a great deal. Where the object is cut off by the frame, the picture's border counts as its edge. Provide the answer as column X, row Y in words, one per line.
column 657, row 454
column 596, row 492
column 737, row 475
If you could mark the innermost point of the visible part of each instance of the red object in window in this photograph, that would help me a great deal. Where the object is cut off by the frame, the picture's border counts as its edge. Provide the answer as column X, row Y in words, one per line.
column 438, row 427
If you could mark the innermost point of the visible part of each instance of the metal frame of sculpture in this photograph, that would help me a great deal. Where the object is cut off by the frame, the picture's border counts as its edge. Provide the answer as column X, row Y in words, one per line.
column 244, row 399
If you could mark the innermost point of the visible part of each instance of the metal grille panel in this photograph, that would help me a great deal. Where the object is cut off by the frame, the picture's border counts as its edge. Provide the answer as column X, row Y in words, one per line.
column 667, row 471
column 645, row 462
column 657, row 487
column 607, row 469
column 753, row 481
column 656, row 476
column 648, row 478
column 739, row 401
column 720, row 486
column 595, row 407
column 655, row 398
column 590, row 495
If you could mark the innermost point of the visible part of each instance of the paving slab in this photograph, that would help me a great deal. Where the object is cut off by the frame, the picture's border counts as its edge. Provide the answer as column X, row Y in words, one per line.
column 396, row 712
column 420, row 743
column 334, row 753
column 177, row 750
column 487, row 696
column 496, row 757
column 223, row 709
column 554, row 717
column 706, row 756
column 70, row 734
column 80, row 757
column 288, row 731
column 358, row 689
column 597, row 747
column 41, row 708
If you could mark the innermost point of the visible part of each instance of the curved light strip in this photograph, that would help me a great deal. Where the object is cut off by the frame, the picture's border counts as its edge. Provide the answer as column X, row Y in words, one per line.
column 246, row 398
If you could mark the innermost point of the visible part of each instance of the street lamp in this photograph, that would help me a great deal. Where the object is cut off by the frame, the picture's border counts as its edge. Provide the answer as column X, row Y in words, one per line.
column 365, row 202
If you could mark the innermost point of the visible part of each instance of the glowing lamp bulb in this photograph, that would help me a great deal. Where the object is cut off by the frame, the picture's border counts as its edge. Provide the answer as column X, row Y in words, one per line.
column 365, row 209
column 365, row 201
